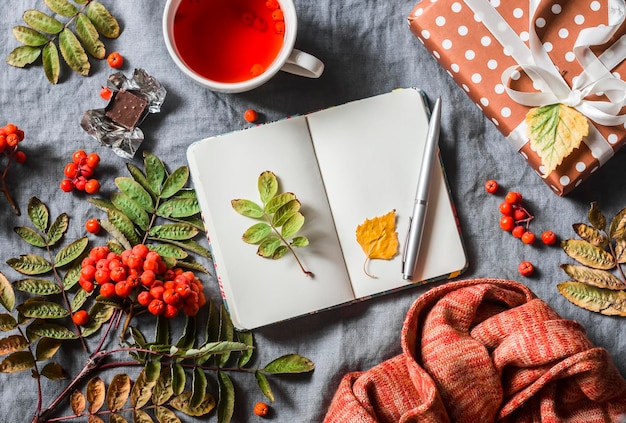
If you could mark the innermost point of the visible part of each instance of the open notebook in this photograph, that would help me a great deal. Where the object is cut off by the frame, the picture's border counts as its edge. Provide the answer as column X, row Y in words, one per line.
column 345, row 164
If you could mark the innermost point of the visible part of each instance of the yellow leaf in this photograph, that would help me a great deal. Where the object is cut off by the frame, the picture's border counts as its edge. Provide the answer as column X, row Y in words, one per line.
column 554, row 132
column 378, row 238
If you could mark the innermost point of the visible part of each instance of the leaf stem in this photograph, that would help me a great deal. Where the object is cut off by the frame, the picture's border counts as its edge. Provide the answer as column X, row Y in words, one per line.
column 286, row 243
column 5, row 188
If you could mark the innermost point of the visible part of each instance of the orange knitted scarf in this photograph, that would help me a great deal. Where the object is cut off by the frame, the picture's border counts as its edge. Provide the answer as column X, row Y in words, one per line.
column 480, row 351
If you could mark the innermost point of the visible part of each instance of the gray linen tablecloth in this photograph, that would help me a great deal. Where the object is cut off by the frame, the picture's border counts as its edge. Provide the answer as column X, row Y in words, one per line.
column 368, row 50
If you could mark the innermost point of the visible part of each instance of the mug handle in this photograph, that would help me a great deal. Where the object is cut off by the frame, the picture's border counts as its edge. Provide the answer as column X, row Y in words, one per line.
column 303, row 64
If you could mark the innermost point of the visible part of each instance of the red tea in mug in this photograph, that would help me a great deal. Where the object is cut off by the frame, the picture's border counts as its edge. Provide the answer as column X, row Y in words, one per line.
column 229, row 40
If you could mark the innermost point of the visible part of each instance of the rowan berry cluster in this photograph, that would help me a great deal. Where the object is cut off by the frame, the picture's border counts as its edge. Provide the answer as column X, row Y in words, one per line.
column 10, row 137
column 78, row 173
column 142, row 275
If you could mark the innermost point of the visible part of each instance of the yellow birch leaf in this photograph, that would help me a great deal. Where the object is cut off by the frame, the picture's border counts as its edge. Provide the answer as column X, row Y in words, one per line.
column 554, row 132
column 378, row 238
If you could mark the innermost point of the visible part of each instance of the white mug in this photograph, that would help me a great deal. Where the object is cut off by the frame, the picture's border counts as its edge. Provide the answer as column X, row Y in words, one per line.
column 288, row 59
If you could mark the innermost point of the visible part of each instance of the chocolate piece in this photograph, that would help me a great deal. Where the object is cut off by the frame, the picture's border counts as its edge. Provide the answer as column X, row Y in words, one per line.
column 126, row 109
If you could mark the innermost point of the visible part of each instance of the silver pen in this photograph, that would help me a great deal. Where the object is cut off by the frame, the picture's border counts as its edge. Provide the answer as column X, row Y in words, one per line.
column 418, row 216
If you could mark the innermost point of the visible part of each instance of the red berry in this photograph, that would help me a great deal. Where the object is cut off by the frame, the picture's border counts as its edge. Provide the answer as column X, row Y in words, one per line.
column 79, row 183
column 92, row 226
column 156, row 307
column 513, row 197
column 81, row 317
column 506, row 209
column 526, row 268
column 519, row 214
column 507, row 223
column 250, row 115
column 170, row 311
column 548, row 237
column 70, row 170
column 122, row 289
column 491, row 186
column 528, row 238
column 144, row 298
column 105, row 93
column 19, row 156
column 92, row 186
column 66, row 185
column 107, row 290
column 261, row 409
column 78, row 156
column 115, row 60
column 92, row 160
column 518, row 231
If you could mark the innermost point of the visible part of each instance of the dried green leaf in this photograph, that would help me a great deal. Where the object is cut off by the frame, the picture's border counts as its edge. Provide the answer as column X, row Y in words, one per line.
column 23, row 55
column 226, row 400
column 17, row 362
column 136, row 191
column 141, row 391
column 98, row 315
column 285, row 212
column 140, row 416
column 165, row 415
column 73, row 52
column 267, row 185
column 94, row 419
column 179, row 207
column 117, row 418
column 80, row 299
column 162, row 331
column 71, row 277
column 88, row 34
column 102, row 19
column 162, row 391
column 179, row 378
column 292, row 225
column 7, row 322
column 268, row 246
column 38, row 214
column 264, row 385
column 47, row 348
column 61, row 7
column 246, row 338
column 54, row 371
column 37, row 286
column 189, row 245
column 12, row 343
column 173, row 231
column 290, row 363
column 118, row 392
column 167, row 250
column 102, row 204
column 153, row 370
column 175, row 182
column 51, row 62
column 114, row 231
column 132, row 209
column 71, row 252
column 29, row 36
column 42, row 329
column 300, row 241
column 198, row 387
column 7, row 294
column 125, row 226
column 588, row 254
column 256, row 233
column 182, row 404
column 617, row 229
column 595, row 277
column 620, row 250
column 58, row 228
column 247, row 208
column 596, row 218
column 141, row 179
column 96, row 393
column 30, row 236
column 590, row 234
column 216, row 347
column 30, row 264
column 280, row 252
column 604, row 301
column 155, row 172
column 77, row 402
column 42, row 22
column 43, row 310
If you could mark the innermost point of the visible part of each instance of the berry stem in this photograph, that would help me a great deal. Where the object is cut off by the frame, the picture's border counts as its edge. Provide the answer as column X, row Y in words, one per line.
column 5, row 188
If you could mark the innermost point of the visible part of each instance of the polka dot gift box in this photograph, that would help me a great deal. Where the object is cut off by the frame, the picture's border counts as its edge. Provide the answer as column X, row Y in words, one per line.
column 548, row 74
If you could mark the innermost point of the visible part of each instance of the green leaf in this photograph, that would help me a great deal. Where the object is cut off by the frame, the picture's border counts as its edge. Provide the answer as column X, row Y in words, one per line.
column 17, row 362
column 23, row 55
column 188, row 338
column 58, row 228
column 264, row 385
column 7, row 294
column 54, row 371
column 73, row 52
column 292, row 225
column 125, row 226
column 199, row 385
column 43, row 310
column 29, row 36
column 42, row 329
column 280, row 252
column 226, row 400
column 182, row 404
column 267, row 185
column 30, row 264
column 300, row 241
column 38, row 214
column 71, row 277
column 595, row 277
column 102, row 204
column 245, row 337
column 218, row 347
column 599, row 300
column 618, row 225
column 596, row 218
column 136, row 191
column 12, row 343
column 278, row 201
column 165, row 415
column 61, row 7
column 141, row 179
column 79, row 299
column 247, row 208
column 131, row 209
column 155, row 172
column 98, row 315
column 37, row 286
column 227, row 334
column 42, row 22
column 285, row 212
column 175, row 182
column 178, row 208
column 173, row 231
column 71, row 252
column 7, row 322
column 51, row 62
column 162, row 331
column 268, row 246
column 179, row 378
column 102, row 19
column 290, row 363
column 168, row 250
column 588, row 254
column 88, row 34
column 189, row 245
column 30, row 236
column 47, row 348
column 256, row 233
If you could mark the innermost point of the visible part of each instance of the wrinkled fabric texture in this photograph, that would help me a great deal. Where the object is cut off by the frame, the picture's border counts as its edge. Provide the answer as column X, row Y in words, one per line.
column 485, row 351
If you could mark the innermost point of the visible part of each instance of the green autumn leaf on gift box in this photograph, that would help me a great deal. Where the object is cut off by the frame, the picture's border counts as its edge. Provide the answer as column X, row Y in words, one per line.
column 554, row 132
